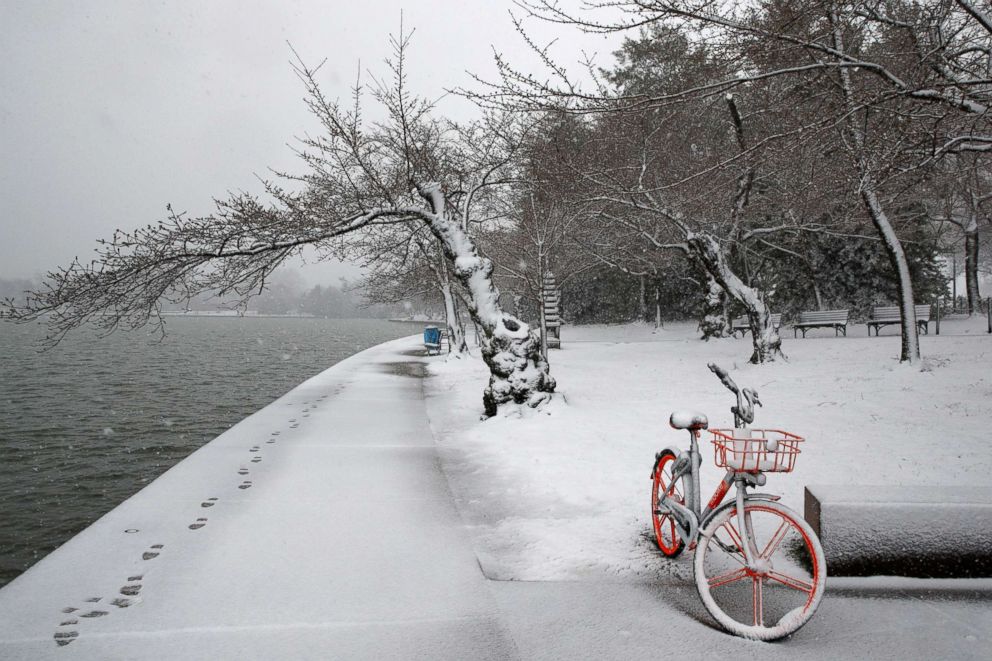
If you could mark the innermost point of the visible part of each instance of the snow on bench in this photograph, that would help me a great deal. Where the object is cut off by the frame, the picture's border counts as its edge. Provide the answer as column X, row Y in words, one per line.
column 742, row 326
column 884, row 316
column 925, row 531
column 836, row 319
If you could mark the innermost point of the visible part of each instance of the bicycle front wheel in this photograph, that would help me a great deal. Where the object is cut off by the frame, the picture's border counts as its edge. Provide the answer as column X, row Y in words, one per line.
column 663, row 483
column 780, row 591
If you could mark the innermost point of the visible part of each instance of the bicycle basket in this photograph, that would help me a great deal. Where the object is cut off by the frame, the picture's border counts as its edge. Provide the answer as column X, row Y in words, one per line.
column 747, row 450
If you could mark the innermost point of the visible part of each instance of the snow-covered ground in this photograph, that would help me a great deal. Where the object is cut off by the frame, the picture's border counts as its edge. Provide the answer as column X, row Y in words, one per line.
column 321, row 526
column 563, row 493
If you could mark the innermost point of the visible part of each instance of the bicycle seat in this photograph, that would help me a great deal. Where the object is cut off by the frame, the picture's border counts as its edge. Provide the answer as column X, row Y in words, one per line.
column 688, row 420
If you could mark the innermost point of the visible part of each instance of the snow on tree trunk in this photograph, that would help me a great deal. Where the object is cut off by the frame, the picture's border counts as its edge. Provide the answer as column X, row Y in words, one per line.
column 910, row 351
column 971, row 265
column 714, row 322
column 764, row 336
column 512, row 351
column 456, row 330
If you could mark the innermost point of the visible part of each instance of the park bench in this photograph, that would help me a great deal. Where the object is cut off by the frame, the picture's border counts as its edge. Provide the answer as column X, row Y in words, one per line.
column 913, row 530
column 742, row 326
column 836, row 319
column 887, row 315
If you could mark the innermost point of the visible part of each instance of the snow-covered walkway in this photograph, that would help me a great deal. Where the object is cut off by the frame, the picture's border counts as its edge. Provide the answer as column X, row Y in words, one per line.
column 324, row 527
column 321, row 527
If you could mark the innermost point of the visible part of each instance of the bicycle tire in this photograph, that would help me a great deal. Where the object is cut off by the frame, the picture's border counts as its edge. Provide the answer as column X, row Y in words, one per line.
column 786, row 585
column 665, row 527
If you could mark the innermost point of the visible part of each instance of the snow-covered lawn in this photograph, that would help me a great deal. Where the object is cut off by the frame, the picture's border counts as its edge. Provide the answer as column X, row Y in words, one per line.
column 564, row 493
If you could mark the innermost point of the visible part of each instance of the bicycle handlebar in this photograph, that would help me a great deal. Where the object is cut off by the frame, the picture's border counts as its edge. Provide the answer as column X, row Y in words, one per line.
column 746, row 398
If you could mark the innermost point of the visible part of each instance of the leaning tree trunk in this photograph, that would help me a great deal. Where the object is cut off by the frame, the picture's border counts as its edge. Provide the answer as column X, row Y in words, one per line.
column 512, row 351
column 971, row 265
column 910, row 351
column 764, row 337
column 715, row 322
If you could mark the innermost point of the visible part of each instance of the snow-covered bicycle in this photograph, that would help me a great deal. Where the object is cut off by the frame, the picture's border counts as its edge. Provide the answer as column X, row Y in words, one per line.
column 759, row 567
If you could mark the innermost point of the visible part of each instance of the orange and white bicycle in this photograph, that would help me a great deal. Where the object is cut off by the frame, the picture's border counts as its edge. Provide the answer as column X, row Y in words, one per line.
column 759, row 568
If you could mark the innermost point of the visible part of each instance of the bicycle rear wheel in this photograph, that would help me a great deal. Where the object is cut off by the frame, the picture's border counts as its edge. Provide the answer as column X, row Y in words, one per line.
column 777, row 594
column 665, row 532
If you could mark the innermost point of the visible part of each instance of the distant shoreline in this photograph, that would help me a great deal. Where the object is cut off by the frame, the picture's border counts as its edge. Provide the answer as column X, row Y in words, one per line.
column 253, row 314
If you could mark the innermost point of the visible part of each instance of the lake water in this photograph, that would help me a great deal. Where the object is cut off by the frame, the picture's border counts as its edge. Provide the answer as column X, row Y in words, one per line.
column 89, row 423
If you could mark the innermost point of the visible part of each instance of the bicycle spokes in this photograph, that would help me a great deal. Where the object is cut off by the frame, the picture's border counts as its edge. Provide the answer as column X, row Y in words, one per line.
column 791, row 581
column 773, row 593
column 729, row 577
column 756, row 601
column 776, row 539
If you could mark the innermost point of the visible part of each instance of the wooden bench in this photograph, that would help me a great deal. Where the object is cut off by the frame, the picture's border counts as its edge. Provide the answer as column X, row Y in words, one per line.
column 836, row 319
column 742, row 325
column 926, row 531
column 885, row 316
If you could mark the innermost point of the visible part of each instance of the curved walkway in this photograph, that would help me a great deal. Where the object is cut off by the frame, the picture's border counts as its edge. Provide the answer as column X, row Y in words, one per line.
column 321, row 527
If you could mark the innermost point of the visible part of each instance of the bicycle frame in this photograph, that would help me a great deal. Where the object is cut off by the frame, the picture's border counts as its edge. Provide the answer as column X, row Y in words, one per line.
column 689, row 518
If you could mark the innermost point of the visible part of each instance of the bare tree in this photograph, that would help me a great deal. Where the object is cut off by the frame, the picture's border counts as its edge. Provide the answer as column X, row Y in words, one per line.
column 964, row 201
column 402, row 171
column 904, row 83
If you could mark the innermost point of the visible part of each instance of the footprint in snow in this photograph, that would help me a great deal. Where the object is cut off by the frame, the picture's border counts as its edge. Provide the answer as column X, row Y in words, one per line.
column 256, row 460
column 245, row 485
column 199, row 524
column 63, row 638
column 94, row 613
column 243, row 471
column 152, row 552
column 209, row 502
column 67, row 632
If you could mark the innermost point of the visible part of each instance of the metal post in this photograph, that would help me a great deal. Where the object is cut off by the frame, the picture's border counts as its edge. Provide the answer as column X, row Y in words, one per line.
column 938, row 316
column 988, row 310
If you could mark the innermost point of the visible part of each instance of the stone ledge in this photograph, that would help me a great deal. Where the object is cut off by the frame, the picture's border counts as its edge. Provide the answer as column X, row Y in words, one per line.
column 922, row 531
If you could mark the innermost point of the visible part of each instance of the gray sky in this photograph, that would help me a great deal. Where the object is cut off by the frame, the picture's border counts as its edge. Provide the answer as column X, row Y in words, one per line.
column 110, row 109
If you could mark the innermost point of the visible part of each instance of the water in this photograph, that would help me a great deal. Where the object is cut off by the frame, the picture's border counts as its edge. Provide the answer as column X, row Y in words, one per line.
column 89, row 423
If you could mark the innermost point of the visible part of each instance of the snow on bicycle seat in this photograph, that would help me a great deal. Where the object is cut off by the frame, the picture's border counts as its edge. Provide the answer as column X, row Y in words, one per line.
column 688, row 420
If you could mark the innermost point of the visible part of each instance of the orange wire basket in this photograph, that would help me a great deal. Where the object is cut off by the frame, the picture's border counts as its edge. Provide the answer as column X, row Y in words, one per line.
column 755, row 450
